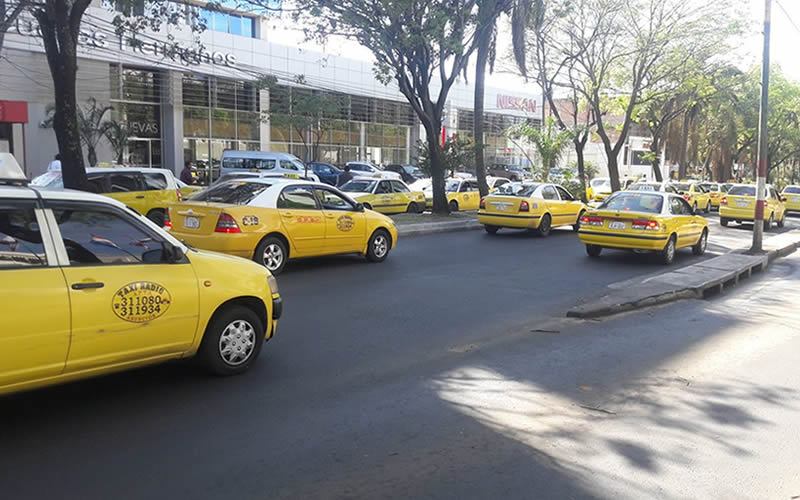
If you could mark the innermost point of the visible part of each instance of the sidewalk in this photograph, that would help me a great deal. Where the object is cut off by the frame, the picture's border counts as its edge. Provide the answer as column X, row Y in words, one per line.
column 428, row 223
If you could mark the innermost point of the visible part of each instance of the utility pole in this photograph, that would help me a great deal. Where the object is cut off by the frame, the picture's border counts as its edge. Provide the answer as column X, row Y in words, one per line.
column 761, row 179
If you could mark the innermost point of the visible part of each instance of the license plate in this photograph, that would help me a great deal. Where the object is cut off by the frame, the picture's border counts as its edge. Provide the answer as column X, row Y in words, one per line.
column 191, row 222
column 742, row 203
column 503, row 207
column 616, row 225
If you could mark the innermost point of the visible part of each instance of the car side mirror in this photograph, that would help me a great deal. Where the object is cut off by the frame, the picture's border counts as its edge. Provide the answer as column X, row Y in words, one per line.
column 173, row 254
column 359, row 207
column 783, row 198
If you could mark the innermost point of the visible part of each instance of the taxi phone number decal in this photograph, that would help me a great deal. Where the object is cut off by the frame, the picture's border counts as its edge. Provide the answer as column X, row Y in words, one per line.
column 140, row 301
column 344, row 223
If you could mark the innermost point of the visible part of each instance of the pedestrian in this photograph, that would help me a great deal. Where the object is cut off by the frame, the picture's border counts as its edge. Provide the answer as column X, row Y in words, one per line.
column 345, row 176
column 55, row 164
column 186, row 173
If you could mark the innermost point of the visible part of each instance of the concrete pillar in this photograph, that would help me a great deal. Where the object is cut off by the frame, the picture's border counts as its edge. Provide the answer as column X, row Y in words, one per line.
column 362, row 142
column 18, row 144
column 172, row 121
column 264, row 132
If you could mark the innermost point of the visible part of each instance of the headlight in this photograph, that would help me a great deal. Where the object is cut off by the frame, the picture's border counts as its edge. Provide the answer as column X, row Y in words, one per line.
column 273, row 284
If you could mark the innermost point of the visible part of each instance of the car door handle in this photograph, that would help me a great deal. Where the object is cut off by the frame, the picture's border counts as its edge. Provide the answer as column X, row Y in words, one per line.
column 140, row 197
column 86, row 286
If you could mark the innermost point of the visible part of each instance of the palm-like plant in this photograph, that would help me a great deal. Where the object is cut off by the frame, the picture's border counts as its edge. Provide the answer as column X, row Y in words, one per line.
column 117, row 135
column 549, row 141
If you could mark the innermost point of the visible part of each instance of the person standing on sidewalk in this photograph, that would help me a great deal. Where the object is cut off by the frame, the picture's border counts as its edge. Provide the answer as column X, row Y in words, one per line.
column 186, row 173
column 345, row 176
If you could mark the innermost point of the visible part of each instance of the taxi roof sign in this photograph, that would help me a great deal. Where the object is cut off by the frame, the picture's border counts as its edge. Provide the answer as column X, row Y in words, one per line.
column 10, row 171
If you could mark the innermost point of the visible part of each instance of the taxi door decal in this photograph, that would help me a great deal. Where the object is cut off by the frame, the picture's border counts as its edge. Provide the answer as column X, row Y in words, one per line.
column 140, row 301
column 345, row 223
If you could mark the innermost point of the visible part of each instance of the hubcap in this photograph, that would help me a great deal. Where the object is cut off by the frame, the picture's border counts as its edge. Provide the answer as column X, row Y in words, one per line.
column 380, row 246
column 546, row 224
column 273, row 256
column 237, row 342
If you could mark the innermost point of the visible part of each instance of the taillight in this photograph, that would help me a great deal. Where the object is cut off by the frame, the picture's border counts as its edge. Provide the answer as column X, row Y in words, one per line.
column 524, row 206
column 180, row 195
column 723, row 200
column 591, row 220
column 483, row 204
column 649, row 225
column 227, row 224
column 687, row 197
column 167, row 221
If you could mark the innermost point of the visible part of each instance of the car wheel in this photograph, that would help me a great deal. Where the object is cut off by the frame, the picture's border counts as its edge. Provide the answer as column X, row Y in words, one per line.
column 593, row 250
column 699, row 248
column 668, row 253
column 694, row 207
column 723, row 222
column 157, row 216
column 768, row 223
column 577, row 225
column 782, row 222
column 272, row 253
column 453, row 206
column 708, row 208
column 413, row 208
column 232, row 341
column 379, row 245
column 545, row 225
column 490, row 229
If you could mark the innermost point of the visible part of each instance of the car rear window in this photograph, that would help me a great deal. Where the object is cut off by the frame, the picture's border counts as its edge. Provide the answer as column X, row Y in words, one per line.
column 792, row 190
column 155, row 181
column 357, row 186
column 682, row 187
column 233, row 192
column 711, row 187
column 742, row 191
column 643, row 187
column 629, row 201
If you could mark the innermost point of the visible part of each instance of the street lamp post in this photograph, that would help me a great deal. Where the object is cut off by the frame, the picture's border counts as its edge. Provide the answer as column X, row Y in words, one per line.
column 761, row 179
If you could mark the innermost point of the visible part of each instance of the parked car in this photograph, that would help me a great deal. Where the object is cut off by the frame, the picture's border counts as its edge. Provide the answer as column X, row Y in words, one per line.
column 385, row 196
column 264, row 161
column 512, row 172
column 409, row 173
column 326, row 172
column 366, row 169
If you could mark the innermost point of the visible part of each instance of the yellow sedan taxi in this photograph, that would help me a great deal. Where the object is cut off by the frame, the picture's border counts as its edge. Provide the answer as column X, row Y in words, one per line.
column 715, row 191
column 530, row 205
column 644, row 221
column 90, row 287
column 273, row 220
column 462, row 194
column 791, row 198
column 739, row 204
column 695, row 195
column 385, row 196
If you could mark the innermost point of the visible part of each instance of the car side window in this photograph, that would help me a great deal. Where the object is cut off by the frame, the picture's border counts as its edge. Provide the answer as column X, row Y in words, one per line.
column 675, row 207
column 383, row 188
column 549, row 193
column 20, row 239
column 95, row 237
column 288, row 165
column 97, row 183
column 267, row 164
column 669, row 189
column 154, row 182
column 332, row 201
column 685, row 208
column 297, row 197
column 399, row 188
column 500, row 182
column 123, row 183
column 465, row 187
column 564, row 194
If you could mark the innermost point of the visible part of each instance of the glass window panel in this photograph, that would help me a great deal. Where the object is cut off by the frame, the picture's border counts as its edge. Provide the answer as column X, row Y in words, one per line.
column 20, row 240
column 279, row 133
column 247, row 27
column 195, row 122
column 279, row 147
column 195, row 90
column 248, row 126
column 220, row 21
column 225, row 94
column 235, row 24
column 206, row 19
column 223, row 124
column 140, row 85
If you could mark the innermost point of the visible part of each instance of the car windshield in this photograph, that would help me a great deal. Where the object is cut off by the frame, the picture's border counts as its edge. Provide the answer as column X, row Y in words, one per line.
column 411, row 170
column 792, row 190
column 600, row 183
column 640, row 186
column 629, row 201
column 509, row 189
column 742, row 191
column 233, row 192
column 452, row 186
column 526, row 190
column 711, row 187
column 682, row 187
column 49, row 180
column 358, row 186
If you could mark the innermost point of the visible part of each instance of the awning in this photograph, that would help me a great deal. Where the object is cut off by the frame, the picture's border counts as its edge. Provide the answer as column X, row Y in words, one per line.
column 13, row 112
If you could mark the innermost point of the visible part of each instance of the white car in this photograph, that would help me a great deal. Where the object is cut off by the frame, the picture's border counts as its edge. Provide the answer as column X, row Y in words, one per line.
column 366, row 169
column 265, row 162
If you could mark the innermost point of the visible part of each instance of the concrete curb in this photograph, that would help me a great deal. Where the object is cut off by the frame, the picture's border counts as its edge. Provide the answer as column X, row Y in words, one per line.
column 696, row 281
column 423, row 228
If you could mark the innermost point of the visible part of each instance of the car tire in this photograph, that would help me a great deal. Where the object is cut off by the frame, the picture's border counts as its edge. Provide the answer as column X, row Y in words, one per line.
column 545, row 225
column 668, row 252
column 272, row 253
column 378, row 246
column 768, row 223
column 708, row 208
column 782, row 222
column 577, row 225
column 490, row 229
column 699, row 248
column 723, row 222
column 412, row 208
column 232, row 341
column 453, row 206
column 593, row 250
column 158, row 216
column 694, row 207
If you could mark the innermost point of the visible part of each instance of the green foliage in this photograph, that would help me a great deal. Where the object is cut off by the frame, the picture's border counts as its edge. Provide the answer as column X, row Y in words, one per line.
column 457, row 156
column 550, row 143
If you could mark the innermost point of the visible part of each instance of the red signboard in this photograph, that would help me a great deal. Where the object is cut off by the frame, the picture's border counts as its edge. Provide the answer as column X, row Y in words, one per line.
column 13, row 112
column 516, row 103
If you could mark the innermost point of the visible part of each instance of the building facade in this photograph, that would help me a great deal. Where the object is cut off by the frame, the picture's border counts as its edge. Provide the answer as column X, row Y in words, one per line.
column 187, row 95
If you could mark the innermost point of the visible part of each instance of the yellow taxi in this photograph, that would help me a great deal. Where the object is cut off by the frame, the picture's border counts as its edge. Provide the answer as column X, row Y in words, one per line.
column 739, row 204
column 644, row 221
column 385, row 196
column 146, row 190
column 530, row 205
column 715, row 191
column 90, row 287
column 272, row 220
column 494, row 183
column 598, row 189
column 461, row 193
column 695, row 195
column 791, row 198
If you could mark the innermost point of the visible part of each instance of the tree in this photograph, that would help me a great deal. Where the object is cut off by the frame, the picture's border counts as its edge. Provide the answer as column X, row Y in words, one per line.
column 550, row 143
column 422, row 45
column 9, row 12
column 91, row 125
column 457, row 154
column 117, row 134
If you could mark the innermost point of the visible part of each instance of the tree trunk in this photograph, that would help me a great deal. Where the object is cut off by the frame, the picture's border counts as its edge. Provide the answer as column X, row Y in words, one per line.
column 60, row 38
column 433, row 134
column 480, row 87
column 580, row 144
column 682, row 162
column 655, row 146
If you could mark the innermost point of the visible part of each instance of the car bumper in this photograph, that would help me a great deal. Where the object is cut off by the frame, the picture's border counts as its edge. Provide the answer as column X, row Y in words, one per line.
column 793, row 206
column 737, row 214
column 239, row 245
column 623, row 240
column 509, row 220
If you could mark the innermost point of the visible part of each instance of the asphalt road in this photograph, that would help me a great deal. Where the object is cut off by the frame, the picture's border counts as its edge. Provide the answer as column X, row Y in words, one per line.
column 445, row 372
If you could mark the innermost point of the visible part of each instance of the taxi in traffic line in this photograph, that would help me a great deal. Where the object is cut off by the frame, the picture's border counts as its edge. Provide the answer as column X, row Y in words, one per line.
column 532, row 206
column 644, row 221
column 146, row 190
column 273, row 220
column 791, row 198
column 695, row 195
column 461, row 193
column 385, row 196
column 90, row 287
column 739, row 204
column 715, row 191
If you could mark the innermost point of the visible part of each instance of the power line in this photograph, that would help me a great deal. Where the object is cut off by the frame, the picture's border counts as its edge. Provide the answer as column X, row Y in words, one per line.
column 788, row 16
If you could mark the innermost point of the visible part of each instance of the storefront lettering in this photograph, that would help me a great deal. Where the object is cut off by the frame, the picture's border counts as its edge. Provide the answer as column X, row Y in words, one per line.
column 144, row 128
column 516, row 103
